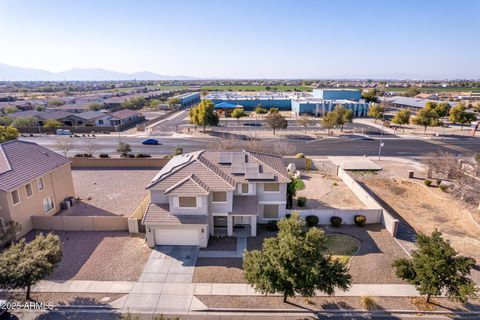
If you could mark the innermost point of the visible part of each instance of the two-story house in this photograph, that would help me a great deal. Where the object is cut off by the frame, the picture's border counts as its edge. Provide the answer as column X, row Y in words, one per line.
column 33, row 181
column 207, row 193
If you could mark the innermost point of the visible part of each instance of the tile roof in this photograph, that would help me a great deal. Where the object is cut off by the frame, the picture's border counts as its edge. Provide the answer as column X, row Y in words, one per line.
column 208, row 169
column 188, row 186
column 160, row 214
column 22, row 161
column 89, row 115
column 124, row 114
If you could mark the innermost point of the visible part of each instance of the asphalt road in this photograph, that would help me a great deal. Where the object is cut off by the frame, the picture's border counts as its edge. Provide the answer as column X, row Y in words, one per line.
column 346, row 146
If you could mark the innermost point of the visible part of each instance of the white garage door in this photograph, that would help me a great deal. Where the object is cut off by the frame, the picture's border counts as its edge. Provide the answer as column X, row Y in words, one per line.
column 181, row 237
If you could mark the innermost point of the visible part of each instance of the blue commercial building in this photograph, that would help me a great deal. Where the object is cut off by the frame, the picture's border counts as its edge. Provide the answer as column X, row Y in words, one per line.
column 321, row 107
column 337, row 94
column 250, row 101
column 188, row 99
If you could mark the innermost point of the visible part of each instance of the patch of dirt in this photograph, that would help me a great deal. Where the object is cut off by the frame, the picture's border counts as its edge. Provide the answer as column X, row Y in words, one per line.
column 329, row 303
column 219, row 270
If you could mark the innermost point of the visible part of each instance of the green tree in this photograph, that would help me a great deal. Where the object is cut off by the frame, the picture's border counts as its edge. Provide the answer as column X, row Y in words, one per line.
column 342, row 116
column 273, row 110
column 10, row 109
column 8, row 234
column 52, row 124
column 401, row 117
column 459, row 114
column 370, row 95
column 56, row 102
column 329, row 121
column 8, row 133
column 375, row 111
column 124, row 149
column 6, row 121
column 172, row 102
column 295, row 262
column 276, row 121
column 24, row 264
column 427, row 117
column 436, row 267
column 442, row 109
column 261, row 111
column 291, row 192
column 204, row 114
column 411, row 92
column 95, row 106
column 24, row 122
column 154, row 103
column 238, row 113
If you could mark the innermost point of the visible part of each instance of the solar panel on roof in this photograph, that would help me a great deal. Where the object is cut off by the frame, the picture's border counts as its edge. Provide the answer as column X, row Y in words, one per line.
column 224, row 157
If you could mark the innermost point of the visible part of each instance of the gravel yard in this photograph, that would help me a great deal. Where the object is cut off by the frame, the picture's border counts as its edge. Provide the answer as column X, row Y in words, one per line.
column 330, row 303
column 378, row 250
column 100, row 256
column 221, row 244
column 326, row 192
column 109, row 192
column 426, row 210
column 218, row 270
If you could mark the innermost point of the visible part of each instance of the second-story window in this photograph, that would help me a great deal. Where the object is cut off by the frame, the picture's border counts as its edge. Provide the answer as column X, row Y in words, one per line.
column 271, row 187
column 219, row 196
column 40, row 185
column 187, row 202
column 245, row 188
column 15, row 197
column 28, row 190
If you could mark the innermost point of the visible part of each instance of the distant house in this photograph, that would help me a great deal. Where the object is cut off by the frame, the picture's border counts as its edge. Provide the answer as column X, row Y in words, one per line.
column 214, row 193
column 429, row 96
column 74, row 108
column 34, row 181
column 118, row 118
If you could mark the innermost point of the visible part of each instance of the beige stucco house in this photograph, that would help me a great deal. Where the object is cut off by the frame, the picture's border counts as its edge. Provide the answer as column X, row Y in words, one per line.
column 207, row 193
column 33, row 181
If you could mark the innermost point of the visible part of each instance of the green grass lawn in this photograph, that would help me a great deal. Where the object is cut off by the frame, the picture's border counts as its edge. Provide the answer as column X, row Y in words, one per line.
column 300, row 185
column 341, row 247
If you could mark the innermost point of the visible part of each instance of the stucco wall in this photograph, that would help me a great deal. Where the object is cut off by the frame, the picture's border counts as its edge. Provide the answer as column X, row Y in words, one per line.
column 157, row 163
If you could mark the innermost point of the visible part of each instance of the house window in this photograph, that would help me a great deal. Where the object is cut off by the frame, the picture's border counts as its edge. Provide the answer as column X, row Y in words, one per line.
column 15, row 197
column 100, row 121
column 187, row 202
column 219, row 196
column 245, row 188
column 271, row 187
column 48, row 204
column 270, row 211
column 40, row 185
column 28, row 190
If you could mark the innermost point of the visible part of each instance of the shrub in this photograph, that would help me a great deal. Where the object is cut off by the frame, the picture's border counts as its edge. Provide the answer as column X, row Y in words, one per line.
column 299, row 156
column 103, row 155
column 272, row 225
column 368, row 303
column 336, row 221
column 312, row 221
column 360, row 220
column 308, row 164
column 428, row 183
column 302, row 201
column 443, row 187
column 131, row 155
column 439, row 182
column 78, row 155
column 142, row 155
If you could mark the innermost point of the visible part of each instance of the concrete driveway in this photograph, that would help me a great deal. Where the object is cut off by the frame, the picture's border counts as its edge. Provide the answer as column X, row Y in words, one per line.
column 170, row 264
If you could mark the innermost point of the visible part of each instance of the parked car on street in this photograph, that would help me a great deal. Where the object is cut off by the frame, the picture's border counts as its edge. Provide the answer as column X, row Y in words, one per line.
column 253, row 124
column 151, row 141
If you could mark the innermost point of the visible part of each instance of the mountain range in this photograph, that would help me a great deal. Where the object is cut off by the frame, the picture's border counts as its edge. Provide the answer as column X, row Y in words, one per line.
column 13, row 73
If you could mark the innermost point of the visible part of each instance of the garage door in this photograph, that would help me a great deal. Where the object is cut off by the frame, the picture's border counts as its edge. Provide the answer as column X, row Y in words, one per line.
column 181, row 237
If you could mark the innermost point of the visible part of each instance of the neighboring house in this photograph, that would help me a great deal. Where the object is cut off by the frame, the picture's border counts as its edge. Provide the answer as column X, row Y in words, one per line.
column 214, row 193
column 34, row 181
column 118, row 117
column 85, row 118
column 74, row 108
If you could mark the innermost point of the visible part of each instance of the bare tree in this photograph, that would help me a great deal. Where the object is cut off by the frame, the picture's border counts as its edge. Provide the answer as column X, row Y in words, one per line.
column 90, row 147
column 228, row 143
column 64, row 145
column 305, row 121
column 283, row 147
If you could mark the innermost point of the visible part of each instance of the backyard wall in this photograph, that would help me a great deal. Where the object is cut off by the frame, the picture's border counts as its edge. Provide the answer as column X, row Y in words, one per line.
column 390, row 223
column 142, row 126
column 80, row 223
column 115, row 163
column 372, row 215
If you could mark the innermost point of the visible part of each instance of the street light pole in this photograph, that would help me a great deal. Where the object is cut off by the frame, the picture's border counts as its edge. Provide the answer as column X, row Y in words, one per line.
column 381, row 144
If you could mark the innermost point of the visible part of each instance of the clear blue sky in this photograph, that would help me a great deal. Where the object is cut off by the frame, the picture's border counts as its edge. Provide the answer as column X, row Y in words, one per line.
column 246, row 39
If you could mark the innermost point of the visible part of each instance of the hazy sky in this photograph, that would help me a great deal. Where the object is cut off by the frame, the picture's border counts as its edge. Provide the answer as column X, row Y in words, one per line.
column 246, row 39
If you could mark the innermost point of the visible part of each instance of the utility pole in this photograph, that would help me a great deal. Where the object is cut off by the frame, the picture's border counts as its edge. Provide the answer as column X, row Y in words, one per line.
column 381, row 144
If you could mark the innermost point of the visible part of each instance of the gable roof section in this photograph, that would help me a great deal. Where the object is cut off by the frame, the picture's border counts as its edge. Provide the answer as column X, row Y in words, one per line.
column 191, row 185
column 273, row 162
column 21, row 162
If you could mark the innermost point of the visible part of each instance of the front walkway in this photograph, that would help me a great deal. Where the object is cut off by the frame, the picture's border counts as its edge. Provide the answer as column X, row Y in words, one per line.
column 238, row 253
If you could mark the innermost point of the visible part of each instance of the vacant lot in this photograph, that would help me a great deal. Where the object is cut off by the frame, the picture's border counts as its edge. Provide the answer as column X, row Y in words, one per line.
column 100, row 256
column 426, row 211
column 327, row 192
column 109, row 192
